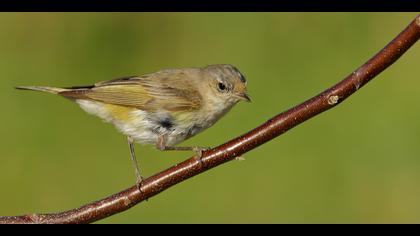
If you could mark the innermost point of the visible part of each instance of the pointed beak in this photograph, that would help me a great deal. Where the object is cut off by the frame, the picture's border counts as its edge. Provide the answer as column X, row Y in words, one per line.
column 244, row 97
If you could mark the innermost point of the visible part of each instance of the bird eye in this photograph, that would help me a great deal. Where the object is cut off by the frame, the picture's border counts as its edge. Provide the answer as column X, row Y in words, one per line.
column 222, row 86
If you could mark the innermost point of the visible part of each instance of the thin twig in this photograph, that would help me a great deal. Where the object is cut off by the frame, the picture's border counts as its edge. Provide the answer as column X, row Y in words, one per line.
column 238, row 146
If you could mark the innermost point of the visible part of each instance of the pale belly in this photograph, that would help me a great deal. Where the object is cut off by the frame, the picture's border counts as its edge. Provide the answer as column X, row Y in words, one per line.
column 145, row 127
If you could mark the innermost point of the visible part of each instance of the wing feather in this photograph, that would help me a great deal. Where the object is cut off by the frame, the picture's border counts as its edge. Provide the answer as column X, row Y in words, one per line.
column 169, row 90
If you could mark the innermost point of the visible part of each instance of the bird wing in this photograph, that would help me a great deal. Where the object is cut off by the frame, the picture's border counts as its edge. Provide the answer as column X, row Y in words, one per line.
column 167, row 90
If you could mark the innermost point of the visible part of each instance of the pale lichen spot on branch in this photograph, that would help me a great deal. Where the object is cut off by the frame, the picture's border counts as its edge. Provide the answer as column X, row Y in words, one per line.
column 127, row 201
column 333, row 100
column 36, row 218
column 357, row 76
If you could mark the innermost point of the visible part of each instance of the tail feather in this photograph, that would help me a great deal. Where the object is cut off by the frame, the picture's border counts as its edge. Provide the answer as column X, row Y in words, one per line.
column 42, row 89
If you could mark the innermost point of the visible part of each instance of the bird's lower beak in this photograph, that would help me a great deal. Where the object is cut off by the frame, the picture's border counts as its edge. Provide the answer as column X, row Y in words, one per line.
column 244, row 97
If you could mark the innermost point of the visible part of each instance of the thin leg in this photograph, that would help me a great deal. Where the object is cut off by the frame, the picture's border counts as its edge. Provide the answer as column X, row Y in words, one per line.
column 161, row 145
column 198, row 150
column 139, row 179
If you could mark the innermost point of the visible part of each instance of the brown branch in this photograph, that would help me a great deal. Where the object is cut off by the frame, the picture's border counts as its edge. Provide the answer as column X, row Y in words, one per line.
column 238, row 146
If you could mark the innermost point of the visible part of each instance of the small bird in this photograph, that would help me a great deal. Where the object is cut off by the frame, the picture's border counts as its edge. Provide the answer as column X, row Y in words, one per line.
column 162, row 108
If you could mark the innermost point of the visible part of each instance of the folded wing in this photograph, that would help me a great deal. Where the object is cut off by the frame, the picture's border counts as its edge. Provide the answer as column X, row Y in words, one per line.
column 170, row 91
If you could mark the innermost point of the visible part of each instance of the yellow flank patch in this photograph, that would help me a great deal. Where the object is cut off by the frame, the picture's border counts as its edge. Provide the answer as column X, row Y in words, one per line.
column 184, row 116
column 119, row 113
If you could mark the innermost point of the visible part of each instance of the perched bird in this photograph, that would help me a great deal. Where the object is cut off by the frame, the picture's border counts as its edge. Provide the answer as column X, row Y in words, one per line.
column 162, row 108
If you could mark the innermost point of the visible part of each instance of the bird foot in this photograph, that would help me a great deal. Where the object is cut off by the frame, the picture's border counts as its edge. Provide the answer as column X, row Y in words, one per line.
column 139, row 182
column 199, row 153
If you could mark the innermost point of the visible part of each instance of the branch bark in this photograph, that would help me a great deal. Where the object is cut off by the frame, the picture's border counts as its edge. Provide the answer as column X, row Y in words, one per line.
column 228, row 151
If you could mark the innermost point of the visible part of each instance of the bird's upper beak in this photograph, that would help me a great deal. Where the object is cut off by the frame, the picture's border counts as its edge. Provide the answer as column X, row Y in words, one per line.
column 244, row 97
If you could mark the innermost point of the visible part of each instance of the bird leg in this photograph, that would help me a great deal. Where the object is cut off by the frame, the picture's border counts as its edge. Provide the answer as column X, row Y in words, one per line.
column 139, row 179
column 161, row 145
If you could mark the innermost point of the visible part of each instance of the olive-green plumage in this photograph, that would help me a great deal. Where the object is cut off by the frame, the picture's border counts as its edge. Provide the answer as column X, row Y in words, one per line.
column 162, row 108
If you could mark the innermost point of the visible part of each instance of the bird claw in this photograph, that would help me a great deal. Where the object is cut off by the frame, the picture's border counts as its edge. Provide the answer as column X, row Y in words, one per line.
column 139, row 183
column 199, row 151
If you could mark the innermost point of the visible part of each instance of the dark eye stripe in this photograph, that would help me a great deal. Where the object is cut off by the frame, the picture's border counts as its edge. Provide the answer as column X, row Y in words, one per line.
column 241, row 76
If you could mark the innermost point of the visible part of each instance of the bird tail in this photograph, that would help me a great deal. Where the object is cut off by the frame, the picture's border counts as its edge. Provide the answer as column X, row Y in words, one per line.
column 42, row 89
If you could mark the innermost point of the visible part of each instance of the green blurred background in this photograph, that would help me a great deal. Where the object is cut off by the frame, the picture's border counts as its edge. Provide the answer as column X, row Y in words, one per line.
column 357, row 163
